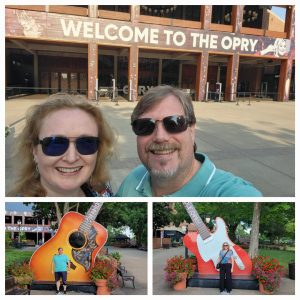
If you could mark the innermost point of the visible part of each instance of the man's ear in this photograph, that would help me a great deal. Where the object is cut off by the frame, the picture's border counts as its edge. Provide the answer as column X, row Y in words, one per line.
column 192, row 131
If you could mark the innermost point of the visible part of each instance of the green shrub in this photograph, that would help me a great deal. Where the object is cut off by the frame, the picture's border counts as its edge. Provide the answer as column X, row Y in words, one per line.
column 116, row 255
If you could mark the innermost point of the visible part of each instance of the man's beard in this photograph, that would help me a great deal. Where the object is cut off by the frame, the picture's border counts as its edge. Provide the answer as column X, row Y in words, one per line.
column 162, row 173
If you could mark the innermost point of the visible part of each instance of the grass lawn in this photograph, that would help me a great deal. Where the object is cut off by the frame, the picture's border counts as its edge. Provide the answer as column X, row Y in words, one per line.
column 284, row 257
column 14, row 255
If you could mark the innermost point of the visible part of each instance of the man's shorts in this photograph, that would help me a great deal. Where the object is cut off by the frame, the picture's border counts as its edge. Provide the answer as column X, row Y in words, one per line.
column 62, row 275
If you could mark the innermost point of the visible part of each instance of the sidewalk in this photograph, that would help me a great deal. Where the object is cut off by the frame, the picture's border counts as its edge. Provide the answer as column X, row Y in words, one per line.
column 160, row 287
column 256, row 142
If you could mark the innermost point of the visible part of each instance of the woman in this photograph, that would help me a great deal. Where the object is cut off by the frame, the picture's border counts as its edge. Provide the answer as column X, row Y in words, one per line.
column 226, row 268
column 63, row 150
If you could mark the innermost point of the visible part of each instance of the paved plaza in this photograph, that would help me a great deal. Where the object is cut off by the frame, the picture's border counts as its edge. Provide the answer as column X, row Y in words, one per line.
column 256, row 141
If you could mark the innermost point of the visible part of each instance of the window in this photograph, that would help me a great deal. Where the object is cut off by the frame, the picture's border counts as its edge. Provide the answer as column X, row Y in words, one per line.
column 120, row 8
column 253, row 15
column 8, row 219
column 221, row 14
column 182, row 12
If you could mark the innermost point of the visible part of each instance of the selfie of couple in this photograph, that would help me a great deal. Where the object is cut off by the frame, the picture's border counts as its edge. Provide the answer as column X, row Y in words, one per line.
column 66, row 144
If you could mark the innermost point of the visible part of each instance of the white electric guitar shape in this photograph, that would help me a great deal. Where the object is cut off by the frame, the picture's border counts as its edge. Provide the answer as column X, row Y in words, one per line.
column 209, row 244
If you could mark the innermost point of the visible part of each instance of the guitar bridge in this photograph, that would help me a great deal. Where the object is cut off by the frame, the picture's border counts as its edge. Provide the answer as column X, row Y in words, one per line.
column 83, row 256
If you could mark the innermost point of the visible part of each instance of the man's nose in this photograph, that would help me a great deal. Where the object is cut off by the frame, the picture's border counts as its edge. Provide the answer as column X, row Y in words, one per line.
column 160, row 133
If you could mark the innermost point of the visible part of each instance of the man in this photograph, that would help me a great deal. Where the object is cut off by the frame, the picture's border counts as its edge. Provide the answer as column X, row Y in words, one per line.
column 164, row 122
column 60, row 267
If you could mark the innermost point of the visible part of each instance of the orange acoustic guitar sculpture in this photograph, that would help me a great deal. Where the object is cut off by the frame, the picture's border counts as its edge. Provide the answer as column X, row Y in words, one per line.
column 206, row 246
column 81, row 239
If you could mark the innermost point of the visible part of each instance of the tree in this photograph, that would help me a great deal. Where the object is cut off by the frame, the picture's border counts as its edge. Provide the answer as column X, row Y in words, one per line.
column 137, row 221
column 56, row 210
column 162, row 215
column 254, row 237
column 278, row 220
column 134, row 215
column 232, row 213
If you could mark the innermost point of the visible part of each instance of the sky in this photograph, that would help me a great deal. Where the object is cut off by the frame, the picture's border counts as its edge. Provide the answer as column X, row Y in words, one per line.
column 280, row 12
column 17, row 206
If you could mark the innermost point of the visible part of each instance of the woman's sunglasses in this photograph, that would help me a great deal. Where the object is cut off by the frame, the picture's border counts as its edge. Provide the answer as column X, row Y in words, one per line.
column 172, row 124
column 58, row 145
column 225, row 245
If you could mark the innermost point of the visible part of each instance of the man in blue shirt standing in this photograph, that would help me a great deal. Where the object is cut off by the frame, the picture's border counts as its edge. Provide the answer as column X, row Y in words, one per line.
column 164, row 122
column 60, row 267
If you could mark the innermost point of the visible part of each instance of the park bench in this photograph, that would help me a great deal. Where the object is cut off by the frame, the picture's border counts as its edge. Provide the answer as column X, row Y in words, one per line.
column 166, row 246
column 125, row 276
column 11, row 287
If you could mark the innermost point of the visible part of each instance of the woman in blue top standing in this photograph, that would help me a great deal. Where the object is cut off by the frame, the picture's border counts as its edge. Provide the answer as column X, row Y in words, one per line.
column 226, row 268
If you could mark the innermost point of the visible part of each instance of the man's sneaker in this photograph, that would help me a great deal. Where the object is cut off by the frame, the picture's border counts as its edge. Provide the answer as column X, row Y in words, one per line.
column 223, row 293
column 65, row 293
column 57, row 293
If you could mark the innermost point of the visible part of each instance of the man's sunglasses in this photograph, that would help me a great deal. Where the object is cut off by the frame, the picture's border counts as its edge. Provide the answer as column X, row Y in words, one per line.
column 58, row 145
column 172, row 124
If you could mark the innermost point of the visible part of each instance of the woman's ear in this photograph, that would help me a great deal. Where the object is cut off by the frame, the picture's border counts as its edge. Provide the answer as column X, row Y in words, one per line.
column 34, row 152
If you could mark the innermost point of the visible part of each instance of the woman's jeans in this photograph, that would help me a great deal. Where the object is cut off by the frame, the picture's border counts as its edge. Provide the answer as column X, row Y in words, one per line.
column 225, row 277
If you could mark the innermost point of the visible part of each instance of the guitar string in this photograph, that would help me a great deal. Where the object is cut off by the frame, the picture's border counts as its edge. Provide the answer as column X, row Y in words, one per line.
column 90, row 217
column 192, row 212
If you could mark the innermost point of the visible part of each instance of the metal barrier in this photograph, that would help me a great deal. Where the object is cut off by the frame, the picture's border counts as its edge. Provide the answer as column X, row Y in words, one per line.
column 241, row 96
column 20, row 91
column 107, row 91
column 255, row 96
column 214, row 96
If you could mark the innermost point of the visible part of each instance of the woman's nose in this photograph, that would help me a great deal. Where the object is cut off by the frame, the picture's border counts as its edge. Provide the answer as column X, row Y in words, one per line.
column 72, row 154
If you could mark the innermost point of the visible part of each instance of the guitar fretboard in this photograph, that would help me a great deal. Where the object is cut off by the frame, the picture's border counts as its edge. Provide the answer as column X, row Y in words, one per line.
column 202, row 229
column 90, row 216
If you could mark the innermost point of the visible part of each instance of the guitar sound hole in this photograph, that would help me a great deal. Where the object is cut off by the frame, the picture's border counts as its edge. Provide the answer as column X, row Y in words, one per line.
column 77, row 239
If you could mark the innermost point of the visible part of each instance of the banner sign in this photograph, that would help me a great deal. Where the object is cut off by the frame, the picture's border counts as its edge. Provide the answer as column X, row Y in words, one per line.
column 28, row 228
column 58, row 27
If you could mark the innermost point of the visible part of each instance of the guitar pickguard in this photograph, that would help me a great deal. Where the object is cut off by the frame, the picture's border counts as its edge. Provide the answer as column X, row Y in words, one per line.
column 84, row 255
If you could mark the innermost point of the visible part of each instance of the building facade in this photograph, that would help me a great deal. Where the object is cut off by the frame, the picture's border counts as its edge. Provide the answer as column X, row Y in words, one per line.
column 230, row 50
column 20, row 221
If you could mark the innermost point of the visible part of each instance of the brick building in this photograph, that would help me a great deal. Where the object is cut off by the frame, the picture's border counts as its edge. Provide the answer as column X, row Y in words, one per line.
column 203, row 49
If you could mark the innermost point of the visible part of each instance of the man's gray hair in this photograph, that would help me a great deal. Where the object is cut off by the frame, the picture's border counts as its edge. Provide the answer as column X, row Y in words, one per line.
column 157, row 94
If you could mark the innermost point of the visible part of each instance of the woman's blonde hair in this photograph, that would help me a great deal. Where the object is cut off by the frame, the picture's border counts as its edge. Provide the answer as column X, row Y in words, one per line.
column 226, row 244
column 28, row 182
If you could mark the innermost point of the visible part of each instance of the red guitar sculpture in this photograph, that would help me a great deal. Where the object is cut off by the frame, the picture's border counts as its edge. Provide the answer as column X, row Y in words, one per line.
column 81, row 239
column 206, row 246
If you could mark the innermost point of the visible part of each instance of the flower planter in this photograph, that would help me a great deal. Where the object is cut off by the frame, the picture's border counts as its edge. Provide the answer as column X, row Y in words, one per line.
column 102, row 288
column 262, row 290
column 181, row 285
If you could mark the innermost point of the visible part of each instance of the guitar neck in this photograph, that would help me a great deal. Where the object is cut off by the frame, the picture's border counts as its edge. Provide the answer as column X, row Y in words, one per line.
column 90, row 216
column 201, row 227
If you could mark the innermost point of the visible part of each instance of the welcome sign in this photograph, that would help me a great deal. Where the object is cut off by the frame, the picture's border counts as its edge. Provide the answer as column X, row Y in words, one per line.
column 35, row 25
column 153, row 36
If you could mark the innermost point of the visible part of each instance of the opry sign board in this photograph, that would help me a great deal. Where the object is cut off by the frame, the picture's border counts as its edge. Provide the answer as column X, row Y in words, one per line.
column 57, row 27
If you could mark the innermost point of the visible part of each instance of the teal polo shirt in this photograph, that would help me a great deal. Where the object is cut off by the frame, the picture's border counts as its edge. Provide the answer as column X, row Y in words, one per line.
column 207, row 182
column 60, row 262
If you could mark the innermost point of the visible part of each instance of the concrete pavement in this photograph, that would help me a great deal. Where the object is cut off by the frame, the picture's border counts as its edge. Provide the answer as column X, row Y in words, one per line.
column 256, row 142
column 160, row 287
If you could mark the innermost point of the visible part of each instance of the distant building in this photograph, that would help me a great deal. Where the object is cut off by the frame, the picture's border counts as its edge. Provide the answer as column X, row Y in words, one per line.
column 19, row 219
